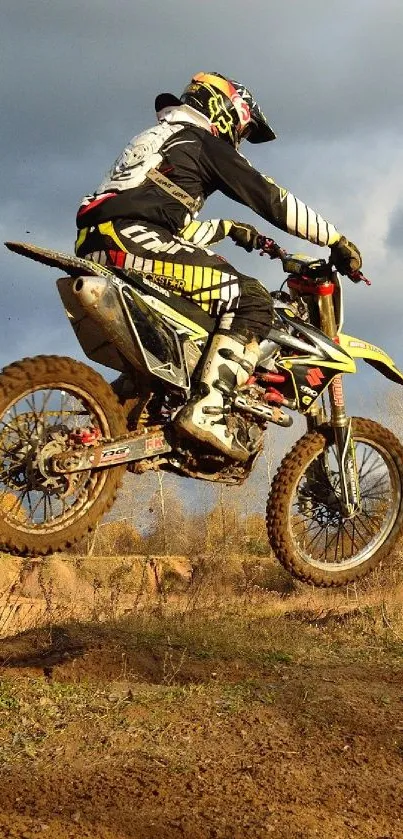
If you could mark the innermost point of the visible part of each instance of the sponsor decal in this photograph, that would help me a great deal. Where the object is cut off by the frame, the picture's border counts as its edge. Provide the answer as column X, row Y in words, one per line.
column 241, row 107
column 163, row 282
column 309, row 391
column 172, row 283
column 365, row 346
column 306, row 400
column 219, row 115
column 376, row 350
column 117, row 453
column 153, row 444
column 315, row 376
column 337, row 391
column 154, row 285
column 351, row 474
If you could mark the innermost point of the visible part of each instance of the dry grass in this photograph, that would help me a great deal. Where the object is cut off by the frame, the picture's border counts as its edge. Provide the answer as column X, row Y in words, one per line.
column 211, row 609
column 170, row 618
column 226, row 653
column 105, row 588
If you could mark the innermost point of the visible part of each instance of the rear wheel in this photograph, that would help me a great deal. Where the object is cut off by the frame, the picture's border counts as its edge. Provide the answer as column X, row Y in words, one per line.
column 42, row 401
column 305, row 524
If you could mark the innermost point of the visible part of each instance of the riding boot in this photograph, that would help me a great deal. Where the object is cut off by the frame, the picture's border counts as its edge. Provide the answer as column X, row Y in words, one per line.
column 229, row 362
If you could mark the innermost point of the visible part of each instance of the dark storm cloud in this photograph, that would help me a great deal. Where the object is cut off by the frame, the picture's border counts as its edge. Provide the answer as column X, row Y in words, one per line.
column 80, row 78
column 78, row 75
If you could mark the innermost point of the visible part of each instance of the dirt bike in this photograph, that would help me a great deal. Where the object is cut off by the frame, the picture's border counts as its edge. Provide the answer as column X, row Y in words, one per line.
column 67, row 436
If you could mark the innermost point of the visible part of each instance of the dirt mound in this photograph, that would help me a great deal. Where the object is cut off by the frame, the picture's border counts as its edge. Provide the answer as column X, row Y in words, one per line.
column 32, row 592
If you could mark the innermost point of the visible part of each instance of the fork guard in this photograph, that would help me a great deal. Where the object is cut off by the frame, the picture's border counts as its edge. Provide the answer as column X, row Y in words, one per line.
column 373, row 355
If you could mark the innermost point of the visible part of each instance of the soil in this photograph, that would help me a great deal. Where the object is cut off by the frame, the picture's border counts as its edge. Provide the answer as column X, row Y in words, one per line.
column 106, row 740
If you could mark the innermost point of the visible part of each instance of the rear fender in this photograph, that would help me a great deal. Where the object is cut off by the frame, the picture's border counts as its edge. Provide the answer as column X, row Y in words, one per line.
column 373, row 355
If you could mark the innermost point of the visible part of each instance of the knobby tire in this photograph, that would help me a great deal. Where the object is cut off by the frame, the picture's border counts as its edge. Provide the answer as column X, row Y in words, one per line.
column 290, row 472
column 53, row 371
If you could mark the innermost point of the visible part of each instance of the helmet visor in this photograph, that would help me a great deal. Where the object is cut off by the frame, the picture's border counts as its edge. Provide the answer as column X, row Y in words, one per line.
column 260, row 132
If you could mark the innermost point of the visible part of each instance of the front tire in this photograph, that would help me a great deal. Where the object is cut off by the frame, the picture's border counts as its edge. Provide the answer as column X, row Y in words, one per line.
column 42, row 400
column 304, row 521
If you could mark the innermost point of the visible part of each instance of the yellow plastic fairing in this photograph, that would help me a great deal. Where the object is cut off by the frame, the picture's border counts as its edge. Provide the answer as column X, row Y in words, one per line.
column 373, row 355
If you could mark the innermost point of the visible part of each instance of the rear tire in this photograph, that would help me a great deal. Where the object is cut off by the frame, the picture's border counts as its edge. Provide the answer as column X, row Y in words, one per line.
column 288, row 524
column 96, row 491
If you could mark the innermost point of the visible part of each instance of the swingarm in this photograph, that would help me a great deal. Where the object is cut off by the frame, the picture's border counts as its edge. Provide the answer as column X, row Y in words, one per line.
column 92, row 454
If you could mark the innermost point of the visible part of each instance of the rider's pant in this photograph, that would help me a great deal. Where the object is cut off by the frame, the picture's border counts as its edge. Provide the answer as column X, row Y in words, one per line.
column 240, row 303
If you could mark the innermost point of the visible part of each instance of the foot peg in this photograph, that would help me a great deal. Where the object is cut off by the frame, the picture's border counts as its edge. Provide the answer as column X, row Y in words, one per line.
column 268, row 412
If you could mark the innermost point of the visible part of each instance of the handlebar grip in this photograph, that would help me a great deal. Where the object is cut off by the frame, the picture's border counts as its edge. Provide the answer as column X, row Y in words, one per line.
column 262, row 242
column 269, row 246
column 358, row 277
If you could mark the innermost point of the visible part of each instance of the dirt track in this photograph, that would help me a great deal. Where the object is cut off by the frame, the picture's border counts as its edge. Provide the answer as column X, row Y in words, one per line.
column 128, row 736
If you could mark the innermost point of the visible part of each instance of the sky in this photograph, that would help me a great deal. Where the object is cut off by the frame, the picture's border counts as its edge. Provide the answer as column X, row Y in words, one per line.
column 78, row 80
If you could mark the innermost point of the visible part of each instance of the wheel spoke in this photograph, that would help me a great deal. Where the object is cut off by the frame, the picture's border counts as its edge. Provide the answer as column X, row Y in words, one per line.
column 12, row 428
column 33, row 409
column 337, row 542
column 365, row 462
column 367, row 529
column 363, row 538
column 30, row 423
column 320, row 532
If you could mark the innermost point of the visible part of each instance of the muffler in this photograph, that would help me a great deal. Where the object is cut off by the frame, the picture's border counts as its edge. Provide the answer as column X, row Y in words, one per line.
column 100, row 300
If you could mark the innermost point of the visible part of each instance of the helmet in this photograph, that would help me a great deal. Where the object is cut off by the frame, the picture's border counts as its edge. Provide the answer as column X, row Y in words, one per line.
column 229, row 106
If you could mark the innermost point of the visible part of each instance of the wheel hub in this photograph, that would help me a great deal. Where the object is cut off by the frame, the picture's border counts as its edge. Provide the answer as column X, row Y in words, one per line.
column 61, row 485
column 31, row 460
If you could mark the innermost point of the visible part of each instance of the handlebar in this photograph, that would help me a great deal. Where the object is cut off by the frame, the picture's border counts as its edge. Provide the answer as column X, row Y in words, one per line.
column 270, row 248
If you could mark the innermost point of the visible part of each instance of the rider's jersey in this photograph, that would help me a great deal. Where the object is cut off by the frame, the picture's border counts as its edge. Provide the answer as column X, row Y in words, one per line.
column 191, row 157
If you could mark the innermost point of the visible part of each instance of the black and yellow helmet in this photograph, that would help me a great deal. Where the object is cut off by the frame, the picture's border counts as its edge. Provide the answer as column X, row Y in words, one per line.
column 229, row 106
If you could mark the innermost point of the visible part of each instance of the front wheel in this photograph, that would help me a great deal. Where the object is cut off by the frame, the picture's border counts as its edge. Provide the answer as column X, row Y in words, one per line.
column 43, row 402
column 306, row 528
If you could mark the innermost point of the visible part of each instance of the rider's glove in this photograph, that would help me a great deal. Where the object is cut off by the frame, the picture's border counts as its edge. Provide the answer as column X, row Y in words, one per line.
column 244, row 235
column 346, row 257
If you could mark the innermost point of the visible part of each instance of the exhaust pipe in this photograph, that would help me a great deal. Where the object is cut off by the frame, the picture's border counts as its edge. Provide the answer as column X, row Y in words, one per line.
column 100, row 301
column 90, row 290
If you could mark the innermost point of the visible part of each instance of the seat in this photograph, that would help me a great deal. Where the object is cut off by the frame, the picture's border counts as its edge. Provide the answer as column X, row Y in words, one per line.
column 76, row 266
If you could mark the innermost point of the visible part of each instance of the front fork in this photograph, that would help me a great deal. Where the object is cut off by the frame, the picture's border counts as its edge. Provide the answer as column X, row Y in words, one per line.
column 345, row 450
column 341, row 423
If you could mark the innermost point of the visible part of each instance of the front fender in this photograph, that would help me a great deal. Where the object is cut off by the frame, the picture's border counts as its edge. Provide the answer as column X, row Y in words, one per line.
column 373, row 355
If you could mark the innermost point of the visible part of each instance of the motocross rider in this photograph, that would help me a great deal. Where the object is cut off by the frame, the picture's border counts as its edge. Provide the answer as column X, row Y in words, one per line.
column 142, row 217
